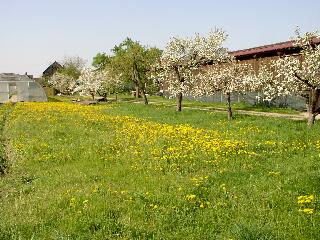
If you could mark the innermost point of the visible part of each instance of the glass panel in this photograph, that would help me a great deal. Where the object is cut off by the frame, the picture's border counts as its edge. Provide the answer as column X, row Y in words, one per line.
column 4, row 87
column 4, row 97
column 36, row 93
column 23, row 92
column 4, row 92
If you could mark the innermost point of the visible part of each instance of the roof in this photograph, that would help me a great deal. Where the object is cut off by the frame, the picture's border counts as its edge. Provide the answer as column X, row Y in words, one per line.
column 11, row 77
column 271, row 48
column 52, row 68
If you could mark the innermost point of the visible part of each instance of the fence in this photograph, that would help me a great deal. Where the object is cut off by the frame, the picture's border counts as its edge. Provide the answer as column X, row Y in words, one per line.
column 255, row 98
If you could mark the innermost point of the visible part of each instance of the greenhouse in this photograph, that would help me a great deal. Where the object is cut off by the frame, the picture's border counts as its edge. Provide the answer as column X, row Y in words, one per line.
column 20, row 88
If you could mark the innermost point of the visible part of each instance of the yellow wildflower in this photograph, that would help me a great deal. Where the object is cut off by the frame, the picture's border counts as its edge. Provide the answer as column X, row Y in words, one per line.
column 191, row 197
column 307, row 210
column 306, row 199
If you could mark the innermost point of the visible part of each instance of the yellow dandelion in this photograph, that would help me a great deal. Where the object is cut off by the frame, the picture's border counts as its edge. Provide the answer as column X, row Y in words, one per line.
column 191, row 197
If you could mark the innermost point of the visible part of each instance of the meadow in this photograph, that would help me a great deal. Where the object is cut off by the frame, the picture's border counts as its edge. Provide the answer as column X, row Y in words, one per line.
column 129, row 171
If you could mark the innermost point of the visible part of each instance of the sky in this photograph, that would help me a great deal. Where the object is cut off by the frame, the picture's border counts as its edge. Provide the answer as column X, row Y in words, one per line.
column 35, row 33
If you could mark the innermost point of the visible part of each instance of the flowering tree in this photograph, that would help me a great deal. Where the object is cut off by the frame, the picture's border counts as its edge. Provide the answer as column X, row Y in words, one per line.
column 89, row 82
column 102, row 82
column 227, row 78
column 291, row 75
column 63, row 83
column 65, row 79
column 182, row 58
column 111, row 84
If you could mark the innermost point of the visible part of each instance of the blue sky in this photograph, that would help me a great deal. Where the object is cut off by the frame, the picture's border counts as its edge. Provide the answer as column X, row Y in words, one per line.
column 34, row 33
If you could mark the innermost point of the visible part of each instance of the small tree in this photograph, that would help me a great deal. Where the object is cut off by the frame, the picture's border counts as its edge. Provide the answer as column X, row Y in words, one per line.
column 89, row 82
column 111, row 84
column 183, row 57
column 130, row 63
column 296, row 76
column 65, row 79
column 63, row 83
column 93, row 81
column 226, row 78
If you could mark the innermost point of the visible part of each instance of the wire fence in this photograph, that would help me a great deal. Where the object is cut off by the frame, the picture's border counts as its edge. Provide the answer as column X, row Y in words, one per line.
column 255, row 98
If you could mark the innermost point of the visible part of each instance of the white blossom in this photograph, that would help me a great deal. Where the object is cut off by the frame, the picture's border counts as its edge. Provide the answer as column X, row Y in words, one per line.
column 63, row 83
column 89, row 82
column 293, row 75
column 182, row 58
column 92, row 82
column 227, row 78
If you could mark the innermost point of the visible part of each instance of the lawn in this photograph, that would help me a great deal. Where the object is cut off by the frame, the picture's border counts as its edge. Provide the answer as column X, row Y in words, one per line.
column 129, row 171
column 163, row 101
column 223, row 105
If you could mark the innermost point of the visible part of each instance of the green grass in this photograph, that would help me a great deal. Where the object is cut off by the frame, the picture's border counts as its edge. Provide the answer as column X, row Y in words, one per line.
column 70, row 98
column 92, row 172
column 213, row 105
column 186, row 103
column 5, row 110
column 223, row 105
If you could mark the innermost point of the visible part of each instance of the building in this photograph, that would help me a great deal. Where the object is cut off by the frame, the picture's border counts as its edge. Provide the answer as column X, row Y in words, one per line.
column 257, row 57
column 20, row 88
column 263, row 54
column 54, row 67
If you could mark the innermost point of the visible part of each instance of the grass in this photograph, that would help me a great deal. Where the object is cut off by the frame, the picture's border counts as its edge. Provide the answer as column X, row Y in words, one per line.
column 129, row 171
column 223, row 105
column 5, row 110
column 162, row 101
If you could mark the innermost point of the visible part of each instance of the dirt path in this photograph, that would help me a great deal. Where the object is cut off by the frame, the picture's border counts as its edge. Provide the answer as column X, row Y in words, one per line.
column 301, row 116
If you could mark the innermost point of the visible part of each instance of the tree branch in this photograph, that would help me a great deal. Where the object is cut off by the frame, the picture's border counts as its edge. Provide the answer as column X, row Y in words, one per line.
column 178, row 74
column 305, row 81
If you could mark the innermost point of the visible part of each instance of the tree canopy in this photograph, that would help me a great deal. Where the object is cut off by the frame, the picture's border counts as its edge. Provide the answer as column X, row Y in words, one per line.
column 132, row 62
column 182, row 57
column 292, row 75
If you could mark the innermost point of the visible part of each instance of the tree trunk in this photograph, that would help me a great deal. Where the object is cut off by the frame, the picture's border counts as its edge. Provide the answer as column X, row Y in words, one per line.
column 179, row 102
column 314, row 106
column 116, row 97
column 103, row 95
column 311, row 119
column 229, row 106
column 179, row 95
column 92, row 95
column 144, row 97
column 137, row 95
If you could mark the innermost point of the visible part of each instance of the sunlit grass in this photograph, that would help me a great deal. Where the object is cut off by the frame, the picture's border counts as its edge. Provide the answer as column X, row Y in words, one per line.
column 163, row 101
column 130, row 171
